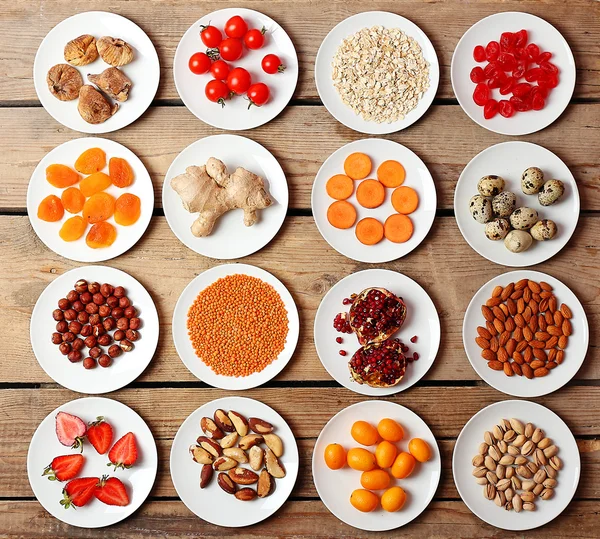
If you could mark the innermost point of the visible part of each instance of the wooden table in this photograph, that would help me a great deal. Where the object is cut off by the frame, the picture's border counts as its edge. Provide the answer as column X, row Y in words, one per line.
column 300, row 138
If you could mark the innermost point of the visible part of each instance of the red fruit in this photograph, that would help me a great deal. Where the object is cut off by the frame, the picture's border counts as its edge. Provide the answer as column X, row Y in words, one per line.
column 507, row 41
column 231, row 49
column 541, row 91
column 211, row 36
column 548, row 81
column 505, row 108
column 64, row 467
column 199, row 63
column 124, row 453
column 100, row 435
column 219, row 70
column 522, row 89
column 255, row 39
column 507, row 61
column 537, row 102
column 477, row 74
column 78, row 492
column 481, row 94
column 258, row 94
column 492, row 50
column 479, row 54
column 341, row 323
column 496, row 81
column 544, row 57
column 239, row 80
column 522, row 66
column 491, row 69
column 533, row 51
column 508, row 85
column 520, row 105
column 236, row 27
column 111, row 491
column 379, row 364
column 531, row 75
column 490, row 109
column 217, row 92
column 521, row 38
column 70, row 430
column 272, row 64
column 520, row 53
column 549, row 68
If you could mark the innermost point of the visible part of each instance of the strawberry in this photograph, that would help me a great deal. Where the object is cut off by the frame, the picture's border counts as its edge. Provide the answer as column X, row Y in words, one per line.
column 64, row 467
column 79, row 491
column 70, row 430
column 124, row 453
column 111, row 491
column 100, row 435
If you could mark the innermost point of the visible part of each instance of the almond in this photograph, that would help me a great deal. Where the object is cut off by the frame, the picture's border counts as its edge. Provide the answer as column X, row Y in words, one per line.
column 528, row 354
column 502, row 355
column 527, row 371
column 499, row 325
column 527, row 295
column 242, row 476
column 567, row 329
column 507, row 291
column 494, row 344
column 527, row 314
column 552, row 304
column 504, row 309
column 516, row 368
column 545, row 286
column 549, row 317
column 551, row 343
column 563, row 341
column 536, row 344
column 545, row 294
column 552, row 354
column 499, row 313
column 511, row 346
column 496, row 365
column 536, row 364
column 521, row 284
column 491, row 328
column 484, row 333
column 509, row 325
column 539, row 354
column 508, row 370
column 245, row 494
column 551, row 365
column 534, row 306
column 533, row 323
column 518, row 358
column 487, row 313
column 504, row 337
column 488, row 354
column 520, row 305
column 558, row 318
column 566, row 312
column 534, row 287
column 554, row 331
column 512, row 306
column 560, row 356
column 497, row 291
column 542, row 371
column 492, row 302
column 542, row 324
column 518, row 335
column 527, row 333
column 517, row 294
column 542, row 336
column 544, row 304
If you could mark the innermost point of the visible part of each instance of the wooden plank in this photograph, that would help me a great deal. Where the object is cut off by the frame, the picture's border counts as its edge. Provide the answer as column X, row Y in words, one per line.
column 24, row 24
column 296, row 139
column 438, row 265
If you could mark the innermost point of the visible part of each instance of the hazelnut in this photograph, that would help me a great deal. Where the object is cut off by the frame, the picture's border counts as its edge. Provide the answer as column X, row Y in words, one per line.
column 72, row 296
column 119, row 335
column 74, row 356
column 90, row 341
column 62, row 326
column 117, row 313
column 114, row 350
column 91, row 308
column 135, row 323
column 89, row 363
column 64, row 304
column 119, row 292
column 81, row 286
column 124, row 302
column 56, row 338
column 112, row 301
column 132, row 335
column 104, row 360
column 85, row 298
column 68, row 337
column 78, row 344
column 94, row 320
column 104, row 340
column 75, row 327
column 98, row 330
column 94, row 288
column 86, row 331
column 70, row 314
column 78, row 306
column 104, row 310
column 58, row 315
column 83, row 317
column 130, row 311
column 106, row 290
column 123, row 323
column 126, row 346
column 109, row 323
column 98, row 299
column 95, row 352
column 64, row 348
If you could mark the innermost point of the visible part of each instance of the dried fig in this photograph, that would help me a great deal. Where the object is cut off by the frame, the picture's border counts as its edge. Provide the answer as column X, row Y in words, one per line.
column 93, row 106
column 81, row 51
column 64, row 82
column 115, row 52
column 113, row 82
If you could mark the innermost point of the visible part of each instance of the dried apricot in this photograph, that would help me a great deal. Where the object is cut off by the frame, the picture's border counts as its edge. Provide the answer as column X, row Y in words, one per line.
column 73, row 228
column 72, row 199
column 360, row 459
column 127, row 209
column 364, row 500
column 390, row 430
column 94, row 183
column 102, row 234
column 61, row 176
column 335, row 456
column 385, row 454
column 364, row 433
column 90, row 161
column 99, row 207
column 419, row 449
column 403, row 465
column 375, row 480
column 393, row 499
column 120, row 172
column 51, row 209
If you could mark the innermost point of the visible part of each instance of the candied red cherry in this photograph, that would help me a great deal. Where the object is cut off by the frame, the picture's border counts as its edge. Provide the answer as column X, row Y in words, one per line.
column 496, row 81
column 520, row 53
column 522, row 89
column 492, row 50
column 507, row 41
column 521, row 105
column 537, row 102
column 490, row 109
column 479, row 54
column 521, row 38
column 533, row 51
column 477, row 75
column 507, row 61
column 508, row 85
column 537, row 90
column 491, row 69
column 548, row 82
column 549, row 68
column 505, row 108
column 522, row 66
column 544, row 57
column 531, row 75
column 481, row 94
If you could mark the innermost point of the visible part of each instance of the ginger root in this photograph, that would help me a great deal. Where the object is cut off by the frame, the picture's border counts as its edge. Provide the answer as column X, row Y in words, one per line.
column 210, row 191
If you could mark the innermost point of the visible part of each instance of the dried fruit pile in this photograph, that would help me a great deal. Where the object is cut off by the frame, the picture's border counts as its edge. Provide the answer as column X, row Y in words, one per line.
column 230, row 440
column 510, row 61
column 526, row 332
column 374, row 466
column 86, row 317
column 516, row 464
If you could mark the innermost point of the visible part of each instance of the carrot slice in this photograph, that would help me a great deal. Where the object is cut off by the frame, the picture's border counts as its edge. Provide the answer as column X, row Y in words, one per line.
column 357, row 165
column 391, row 173
column 341, row 214
column 369, row 231
column 398, row 228
column 370, row 193
column 339, row 187
column 405, row 200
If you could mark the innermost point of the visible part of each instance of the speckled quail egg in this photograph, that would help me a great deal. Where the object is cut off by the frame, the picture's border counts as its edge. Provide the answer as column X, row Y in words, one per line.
column 517, row 241
column 532, row 180
column 523, row 218
column 544, row 230
column 490, row 186
column 481, row 208
column 551, row 192
column 504, row 204
column 497, row 229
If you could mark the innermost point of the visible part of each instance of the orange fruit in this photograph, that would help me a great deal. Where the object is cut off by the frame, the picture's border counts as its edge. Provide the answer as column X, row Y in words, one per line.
column 335, row 456
column 364, row 500
column 390, row 430
column 393, row 499
column 360, row 459
column 375, row 479
column 364, row 433
column 403, row 465
column 419, row 449
column 385, row 454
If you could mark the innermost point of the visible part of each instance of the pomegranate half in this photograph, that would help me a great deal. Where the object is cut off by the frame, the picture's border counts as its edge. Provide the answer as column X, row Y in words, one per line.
column 379, row 364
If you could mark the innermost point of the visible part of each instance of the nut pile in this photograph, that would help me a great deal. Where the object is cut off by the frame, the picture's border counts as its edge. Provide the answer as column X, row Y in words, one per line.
column 230, row 440
column 516, row 464
column 526, row 332
column 85, row 318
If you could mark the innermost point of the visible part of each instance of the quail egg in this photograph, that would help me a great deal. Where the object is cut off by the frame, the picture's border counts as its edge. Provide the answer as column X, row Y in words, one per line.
column 523, row 218
column 497, row 229
column 532, row 180
column 518, row 241
column 543, row 230
column 490, row 186
column 481, row 209
column 504, row 204
column 551, row 192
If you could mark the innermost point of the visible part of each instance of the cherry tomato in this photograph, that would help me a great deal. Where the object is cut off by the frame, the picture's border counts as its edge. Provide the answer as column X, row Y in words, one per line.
column 199, row 63
column 211, row 36
column 231, row 49
column 479, row 54
column 490, row 109
column 271, row 64
column 258, row 94
column 255, row 39
column 239, row 80
column 217, row 92
column 236, row 27
column 219, row 70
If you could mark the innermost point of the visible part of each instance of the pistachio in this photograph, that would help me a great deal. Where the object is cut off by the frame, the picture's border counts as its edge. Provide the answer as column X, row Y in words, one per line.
column 498, row 433
column 500, row 471
column 500, row 499
column 527, row 496
column 514, row 451
column 505, row 424
column 537, row 435
column 509, row 493
column 539, row 457
column 516, row 482
column 552, row 473
column 519, row 440
column 529, row 429
column 503, row 484
column 489, row 463
column 544, row 443
column 517, row 503
column 477, row 460
column 533, row 467
column 538, row 489
column 480, row 471
column 494, row 453
column 483, row 448
column 502, row 446
column 555, row 462
column 540, row 476
column 528, row 485
column 510, row 472
column 517, row 426
column 550, row 483
column 524, row 472
column 507, row 460
column 481, row 480
column 529, row 506
column 488, row 437
column 489, row 492
column 520, row 460
column 550, row 451
column 528, row 448
column 547, row 493
column 510, row 435
column 491, row 477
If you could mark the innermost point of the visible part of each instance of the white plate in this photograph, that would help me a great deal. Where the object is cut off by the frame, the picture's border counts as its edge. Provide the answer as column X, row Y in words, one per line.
column 335, row 486
column 547, row 38
column 138, row 479
column 186, row 350
column 323, row 70
column 125, row 368
column 509, row 160
column 67, row 154
column 211, row 503
column 230, row 238
column 235, row 115
column 144, row 69
column 520, row 386
column 422, row 320
column 417, row 176
column 466, row 448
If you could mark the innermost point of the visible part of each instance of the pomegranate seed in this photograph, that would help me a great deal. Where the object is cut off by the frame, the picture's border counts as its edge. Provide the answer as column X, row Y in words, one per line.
column 346, row 301
column 413, row 339
column 342, row 352
column 415, row 356
column 339, row 340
